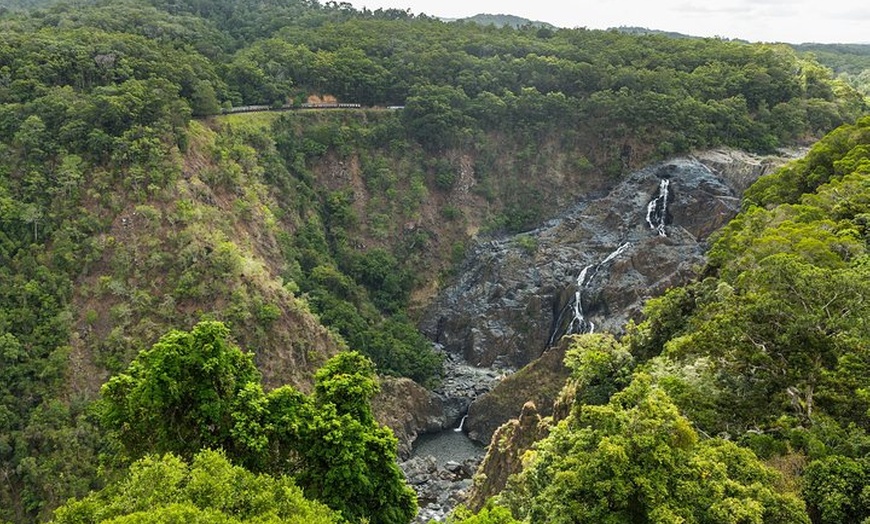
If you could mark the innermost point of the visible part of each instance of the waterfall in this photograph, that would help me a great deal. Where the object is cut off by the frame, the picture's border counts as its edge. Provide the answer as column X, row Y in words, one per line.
column 579, row 323
column 618, row 251
column 461, row 423
column 657, row 209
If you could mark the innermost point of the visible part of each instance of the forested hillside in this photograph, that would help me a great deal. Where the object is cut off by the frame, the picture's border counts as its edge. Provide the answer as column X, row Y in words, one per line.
column 850, row 61
column 130, row 206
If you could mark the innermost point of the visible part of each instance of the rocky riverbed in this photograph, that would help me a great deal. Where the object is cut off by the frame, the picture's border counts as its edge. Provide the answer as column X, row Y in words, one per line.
column 440, row 471
column 437, row 456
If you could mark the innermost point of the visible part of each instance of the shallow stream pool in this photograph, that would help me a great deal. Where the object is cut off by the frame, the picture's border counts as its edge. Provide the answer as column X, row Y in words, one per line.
column 447, row 445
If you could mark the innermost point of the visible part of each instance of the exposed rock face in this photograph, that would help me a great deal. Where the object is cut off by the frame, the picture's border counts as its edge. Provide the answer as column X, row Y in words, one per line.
column 505, row 454
column 463, row 384
column 539, row 382
column 516, row 295
column 591, row 268
column 409, row 410
column 739, row 169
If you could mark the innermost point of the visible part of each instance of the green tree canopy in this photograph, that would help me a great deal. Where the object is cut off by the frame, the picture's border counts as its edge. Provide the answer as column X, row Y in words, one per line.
column 197, row 390
column 637, row 459
column 180, row 396
column 207, row 490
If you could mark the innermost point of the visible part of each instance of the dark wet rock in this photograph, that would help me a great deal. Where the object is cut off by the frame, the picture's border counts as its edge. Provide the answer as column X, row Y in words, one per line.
column 462, row 384
column 439, row 487
column 409, row 410
column 469, row 467
column 540, row 382
column 514, row 294
column 419, row 470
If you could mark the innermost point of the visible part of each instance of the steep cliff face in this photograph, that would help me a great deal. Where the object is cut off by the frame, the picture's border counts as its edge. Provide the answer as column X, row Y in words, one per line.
column 539, row 383
column 592, row 267
column 409, row 410
column 206, row 246
column 505, row 455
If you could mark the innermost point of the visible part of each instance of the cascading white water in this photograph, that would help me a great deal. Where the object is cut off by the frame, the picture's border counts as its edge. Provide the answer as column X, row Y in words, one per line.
column 579, row 323
column 461, row 423
column 657, row 209
column 618, row 251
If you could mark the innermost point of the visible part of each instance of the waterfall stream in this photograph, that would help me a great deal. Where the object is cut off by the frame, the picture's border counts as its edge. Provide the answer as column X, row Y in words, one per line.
column 510, row 300
column 656, row 218
column 579, row 323
column 657, row 209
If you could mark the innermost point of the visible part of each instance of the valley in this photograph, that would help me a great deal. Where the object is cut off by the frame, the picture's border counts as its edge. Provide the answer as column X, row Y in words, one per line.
column 634, row 267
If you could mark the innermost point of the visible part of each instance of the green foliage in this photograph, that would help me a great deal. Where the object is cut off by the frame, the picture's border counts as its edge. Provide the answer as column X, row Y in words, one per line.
column 491, row 514
column 527, row 243
column 780, row 326
column 348, row 382
column 846, row 146
column 851, row 62
column 207, row 490
column 637, row 459
column 664, row 319
column 180, row 396
column 196, row 390
column 351, row 466
column 600, row 366
column 106, row 182
column 835, row 489
column 436, row 116
column 777, row 338
column 771, row 346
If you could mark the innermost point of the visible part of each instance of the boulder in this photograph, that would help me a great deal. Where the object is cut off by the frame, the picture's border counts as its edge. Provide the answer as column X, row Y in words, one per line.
column 409, row 410
column 439, row 488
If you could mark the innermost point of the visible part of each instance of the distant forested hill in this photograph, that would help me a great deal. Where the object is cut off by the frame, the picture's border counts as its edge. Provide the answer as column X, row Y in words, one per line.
column 634, row 30
column 25, row 4
column 515, row 22
column 851, row 61
column 131, row 206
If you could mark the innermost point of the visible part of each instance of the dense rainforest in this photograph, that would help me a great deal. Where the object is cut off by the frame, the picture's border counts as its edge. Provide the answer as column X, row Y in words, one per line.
column 145, row 237
column 848, row 61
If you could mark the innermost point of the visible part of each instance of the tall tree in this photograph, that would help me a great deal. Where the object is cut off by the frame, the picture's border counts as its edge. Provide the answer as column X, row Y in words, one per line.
column 197, row 390
column 207, row 489
column 180, row 396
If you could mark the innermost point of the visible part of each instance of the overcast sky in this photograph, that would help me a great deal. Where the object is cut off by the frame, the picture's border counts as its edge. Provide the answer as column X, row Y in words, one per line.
column 793, row 21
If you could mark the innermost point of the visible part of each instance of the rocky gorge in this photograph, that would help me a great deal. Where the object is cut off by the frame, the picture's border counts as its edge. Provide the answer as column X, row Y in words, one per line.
column 589, row 269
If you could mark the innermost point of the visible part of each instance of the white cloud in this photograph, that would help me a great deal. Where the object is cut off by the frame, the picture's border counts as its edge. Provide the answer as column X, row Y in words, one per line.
column 755, row 20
